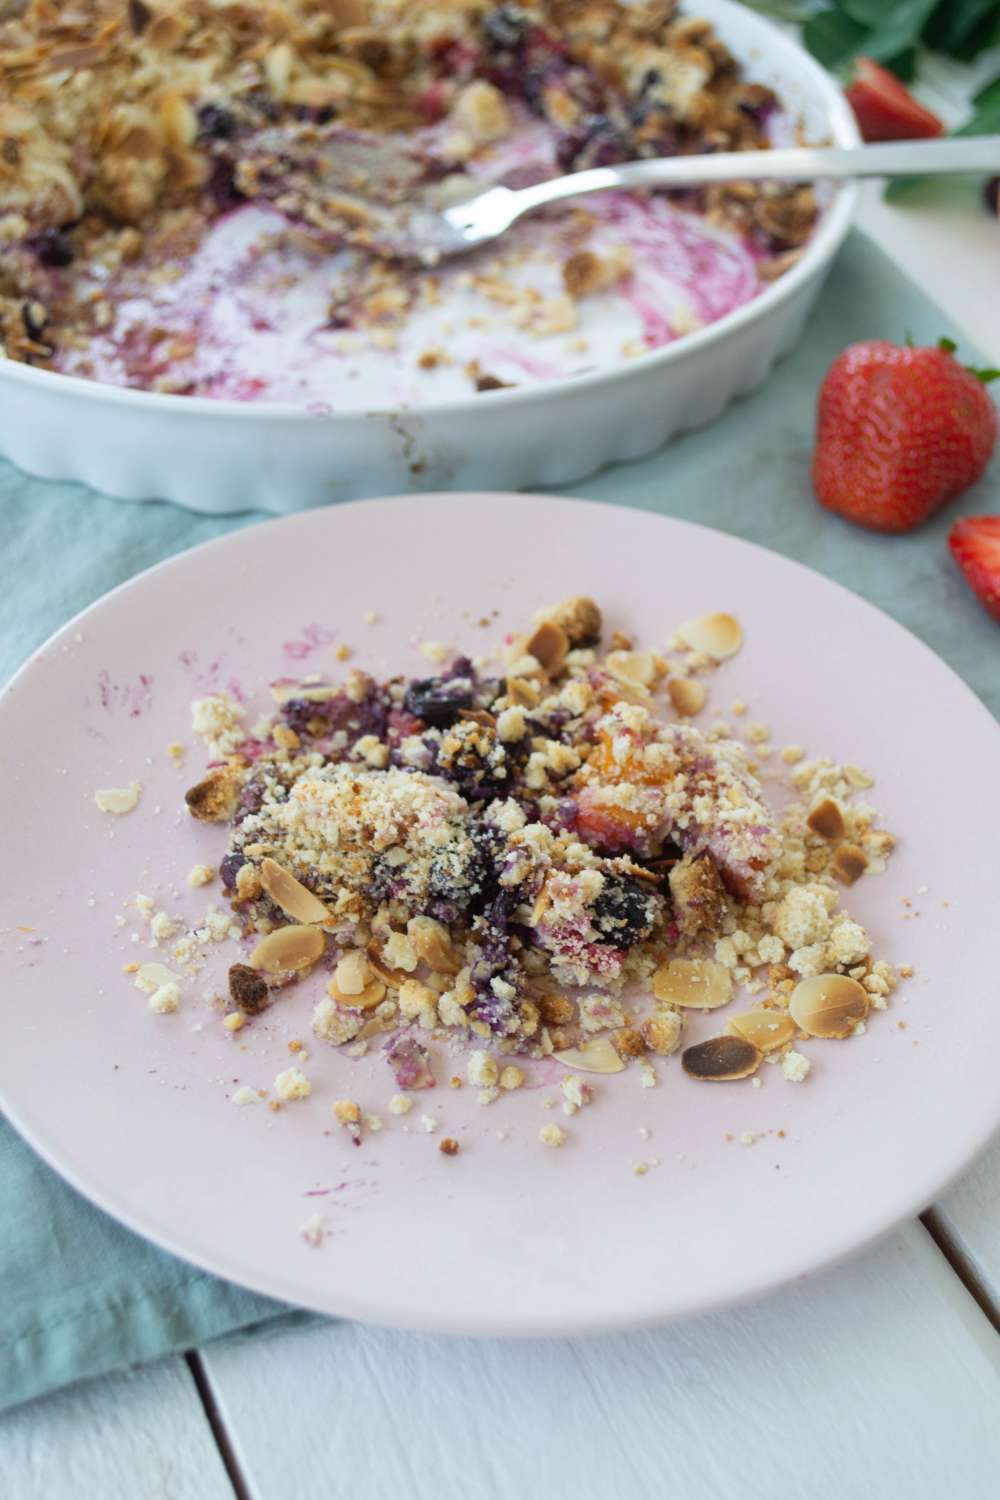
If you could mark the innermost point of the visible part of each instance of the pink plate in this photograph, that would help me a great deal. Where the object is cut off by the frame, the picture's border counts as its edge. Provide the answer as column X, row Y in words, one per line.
column 509, row 1236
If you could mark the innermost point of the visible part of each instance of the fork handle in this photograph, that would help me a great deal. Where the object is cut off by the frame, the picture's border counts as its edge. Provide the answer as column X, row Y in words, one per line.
column 794, row 164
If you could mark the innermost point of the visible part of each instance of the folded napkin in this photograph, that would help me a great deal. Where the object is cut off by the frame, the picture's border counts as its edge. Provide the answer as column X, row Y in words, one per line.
column 83, row 1296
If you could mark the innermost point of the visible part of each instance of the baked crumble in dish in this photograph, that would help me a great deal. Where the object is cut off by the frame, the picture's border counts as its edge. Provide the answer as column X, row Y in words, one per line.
column 196, row 199
column 488, row 868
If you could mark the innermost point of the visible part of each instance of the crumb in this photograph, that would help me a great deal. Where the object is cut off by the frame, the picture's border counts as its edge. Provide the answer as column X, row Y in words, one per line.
column 245, row 1095
column 448, row 1146
column 792, row 754
column 200, row 875
column 434, row 652
column 119, row 800
column 795, row 1067
column 400, row 1104
column 235, row 1021
column 291, row 1085
column 313, row 1230
column 552, row 1135
column 429, row 1123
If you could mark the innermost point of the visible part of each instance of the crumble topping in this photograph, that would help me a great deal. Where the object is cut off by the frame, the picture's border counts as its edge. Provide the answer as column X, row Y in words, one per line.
column 552, row 865
column 127, row 132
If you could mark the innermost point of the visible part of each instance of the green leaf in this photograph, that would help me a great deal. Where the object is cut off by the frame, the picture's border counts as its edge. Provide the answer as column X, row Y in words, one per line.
column 833, row 38
column 984, row 376
column 865, row 12
column 898, row 28
column 956, row 24
column 985, row 118
column 948, row 345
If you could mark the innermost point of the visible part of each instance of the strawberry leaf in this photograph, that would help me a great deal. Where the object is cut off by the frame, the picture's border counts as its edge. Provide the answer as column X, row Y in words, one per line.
column 948, row 345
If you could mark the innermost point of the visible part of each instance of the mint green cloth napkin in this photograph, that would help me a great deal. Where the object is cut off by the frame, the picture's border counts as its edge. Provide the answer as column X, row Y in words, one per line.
column 80, row 1295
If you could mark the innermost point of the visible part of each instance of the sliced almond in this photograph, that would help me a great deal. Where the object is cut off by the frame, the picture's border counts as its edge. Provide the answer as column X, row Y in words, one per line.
column 767, row 1029
column 579, row 617
column 697, row 983
column 385, row 971
column 523, row 692
column 636, row 668
column 295, row 900
column 848, row 864
column 598, row 1056
column 828, row 1005
column 827, row 819
column 288, row 948
column 432, row 941
column 687, row 695
column 717, row 635
column 548, row 644
column 373, row 994
column 353, row 973
column 317, row 692
column 721, row 1058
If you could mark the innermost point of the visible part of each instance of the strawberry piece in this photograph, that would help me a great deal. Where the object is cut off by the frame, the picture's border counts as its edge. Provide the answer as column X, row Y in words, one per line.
column 975, row 546
column 899, row 431
column 885, row 108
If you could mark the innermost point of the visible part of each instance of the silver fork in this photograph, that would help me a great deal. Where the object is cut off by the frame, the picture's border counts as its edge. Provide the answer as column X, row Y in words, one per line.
column 479, row 220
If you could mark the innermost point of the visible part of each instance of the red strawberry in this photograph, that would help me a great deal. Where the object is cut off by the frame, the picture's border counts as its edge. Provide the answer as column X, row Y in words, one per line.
column 975, row 546
column 899, row 431
column 885, row 108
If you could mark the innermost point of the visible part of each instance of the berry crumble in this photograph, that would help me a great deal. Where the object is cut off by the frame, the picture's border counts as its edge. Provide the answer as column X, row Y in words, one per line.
column 194, row 199
column 480, row 870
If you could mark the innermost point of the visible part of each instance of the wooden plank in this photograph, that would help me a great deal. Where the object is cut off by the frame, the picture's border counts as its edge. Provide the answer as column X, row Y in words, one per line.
column 969, row 1215
column 879, row 1377
column 140, row 1434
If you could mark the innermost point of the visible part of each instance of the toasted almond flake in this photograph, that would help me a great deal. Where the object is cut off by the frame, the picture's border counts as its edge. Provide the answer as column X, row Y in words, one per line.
column 687, row 695
column 433, row 944
column 384, row 971
column 579, row 617
column 373, row 994
column 697, row 983
column 718, row 635
column 828, row 1005
column 288, row 948
column 634, row 668
column 597, row 1056
column 353, row 972
column 295, row 900
column 119, row 799
column 849, row 863
column 721, row 1058
column 767, row 1029
column 548, row 644
column 827, row 819
column 318, row 692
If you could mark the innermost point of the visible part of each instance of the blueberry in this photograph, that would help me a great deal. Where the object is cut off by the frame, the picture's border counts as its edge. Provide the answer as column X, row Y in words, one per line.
column 216, row 122
column 438, row 701
column 53, row 248
column 505, row 28
column 230, row 867
column 624, row 912
column 221, row 187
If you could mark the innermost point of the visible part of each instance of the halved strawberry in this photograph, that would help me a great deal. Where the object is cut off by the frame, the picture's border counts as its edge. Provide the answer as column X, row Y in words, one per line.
column 975, row 546
column 885, row 108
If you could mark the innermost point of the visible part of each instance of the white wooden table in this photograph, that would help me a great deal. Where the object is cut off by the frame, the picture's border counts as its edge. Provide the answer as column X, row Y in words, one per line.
column 878, row 1379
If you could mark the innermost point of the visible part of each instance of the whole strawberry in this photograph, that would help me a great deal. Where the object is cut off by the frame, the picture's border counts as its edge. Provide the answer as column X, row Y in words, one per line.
column 899, row 431
column 975, row 546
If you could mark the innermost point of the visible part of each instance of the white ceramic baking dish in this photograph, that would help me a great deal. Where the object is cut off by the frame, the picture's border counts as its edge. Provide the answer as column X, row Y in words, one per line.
column 225, row 456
